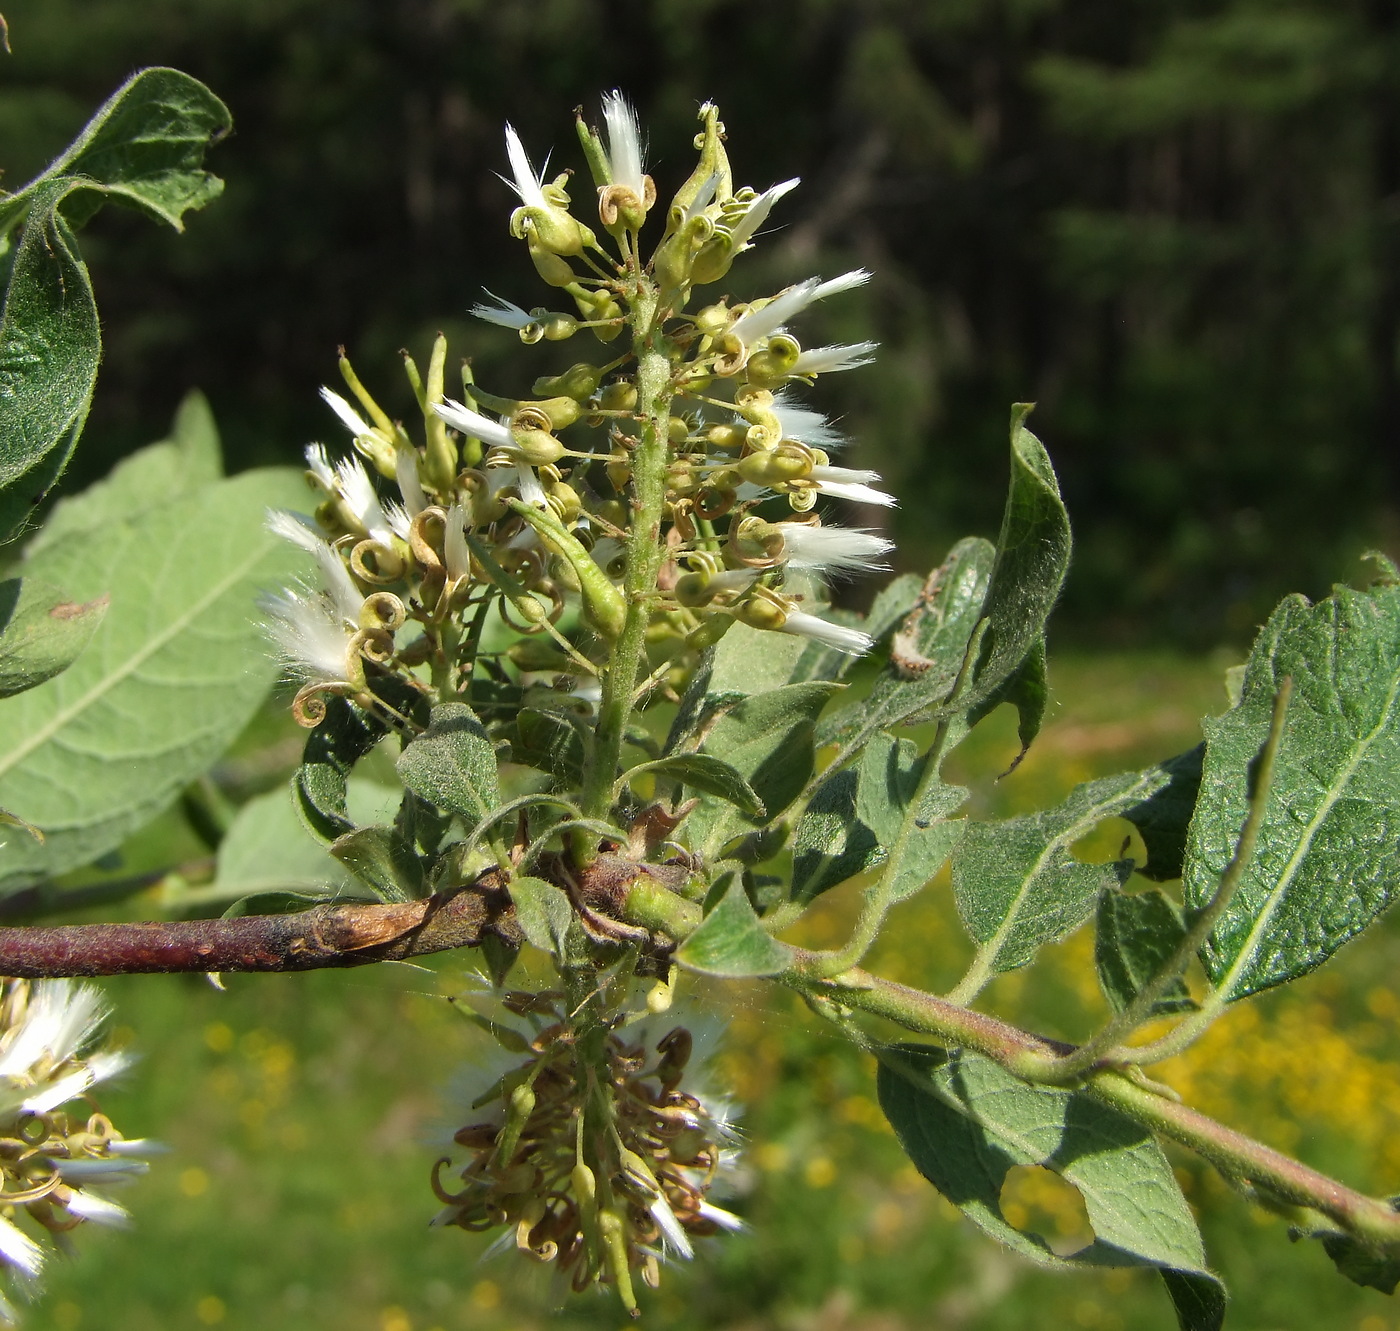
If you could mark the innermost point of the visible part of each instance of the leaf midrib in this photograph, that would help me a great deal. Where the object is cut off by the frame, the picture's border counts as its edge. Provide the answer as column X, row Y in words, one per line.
column 99, row 690
column 1246, row 955
column 992, row 948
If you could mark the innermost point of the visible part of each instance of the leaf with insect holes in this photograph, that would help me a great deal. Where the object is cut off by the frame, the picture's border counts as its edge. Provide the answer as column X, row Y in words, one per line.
column 965, row 1122
column 1017, row 884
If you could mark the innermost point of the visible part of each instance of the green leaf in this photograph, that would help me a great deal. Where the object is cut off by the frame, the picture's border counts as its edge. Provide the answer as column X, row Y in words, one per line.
column 730, row 942
column 268, row 850
column 926, row 652
column 749, row 660
column 42, row 632
column 889, row 777
column 711, row 775
column 143, row 147
column 50, row 344
column 544, row 912
column 1032, row 559
column 831, row 843
column 553, row 741
column 856, row 814
column 1363, row 1265
column 1018, row 886
column 381, row 859
column 1328, row 857
column 1136, row 936
column 189, row 459
column 1028, row 691
column 452, row 764
column 746, row 661
column 936, row 836
column 965, row 1122
column 768, row 740
column 1163, row 818
column 173, row 673
column 321, row 784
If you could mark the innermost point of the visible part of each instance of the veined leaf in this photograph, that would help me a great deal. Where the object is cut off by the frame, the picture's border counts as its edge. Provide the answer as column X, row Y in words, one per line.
column 173, row 673
column 703, row 772
column 965, row 1122
column 1016, row 883
column 926, row 652
column 768, row 740
column 856, row 815
column 731, row 942
column 1136, row 936
column 452, row 764
column 42, row 632
column 189, row 459
column 144, row 148
column 1328, row 856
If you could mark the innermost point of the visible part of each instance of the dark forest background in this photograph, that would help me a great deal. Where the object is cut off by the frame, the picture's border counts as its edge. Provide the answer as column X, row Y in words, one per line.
column 1174, row 224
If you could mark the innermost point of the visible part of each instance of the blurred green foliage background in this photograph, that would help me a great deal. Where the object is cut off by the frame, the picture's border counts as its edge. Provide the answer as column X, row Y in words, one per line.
column 1173, row 223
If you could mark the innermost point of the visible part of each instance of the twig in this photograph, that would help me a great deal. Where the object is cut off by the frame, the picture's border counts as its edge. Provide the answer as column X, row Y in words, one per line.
column 1239, row 1158
column 325, row 936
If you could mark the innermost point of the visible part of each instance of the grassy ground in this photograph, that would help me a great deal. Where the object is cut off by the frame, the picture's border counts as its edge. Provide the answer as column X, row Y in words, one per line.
column 299, row 1112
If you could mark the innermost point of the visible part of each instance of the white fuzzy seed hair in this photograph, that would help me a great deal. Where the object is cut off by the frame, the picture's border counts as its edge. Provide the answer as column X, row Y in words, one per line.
column 471, row 422
column 310, row 638
column 805, row 425
column 356, row 488
column 503, row 313
column 320, row 467
column 828, row 360
column 339, row 586
column 524, row 181
column 837, row 636
column 833, row 549
column 59, row 1019
column 624, row 143
column 757, row 212
column 852, row 483
column 349, row 417
column 748, row 328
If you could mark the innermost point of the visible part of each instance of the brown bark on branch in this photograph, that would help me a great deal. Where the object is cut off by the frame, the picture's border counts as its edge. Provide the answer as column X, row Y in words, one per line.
column 325, row 936
column 316, row 939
